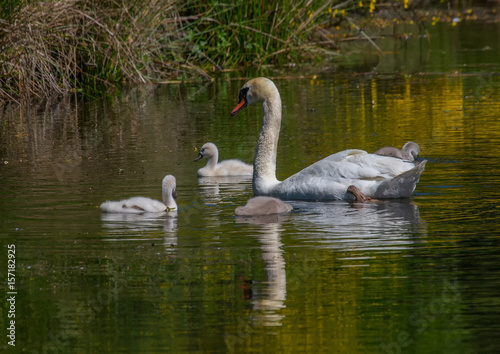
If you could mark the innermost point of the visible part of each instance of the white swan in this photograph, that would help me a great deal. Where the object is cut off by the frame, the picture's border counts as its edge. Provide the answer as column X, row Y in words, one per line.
column 261, row 205
column 139, row 205
column 222, row 169
column 409, row 152
column 328, row 179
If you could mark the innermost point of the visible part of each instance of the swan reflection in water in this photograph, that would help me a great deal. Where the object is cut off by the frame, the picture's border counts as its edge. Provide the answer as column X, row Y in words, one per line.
column 378, row 226
column 119, row 226
column 211, row 188
column 268, row 297
column 383, row 225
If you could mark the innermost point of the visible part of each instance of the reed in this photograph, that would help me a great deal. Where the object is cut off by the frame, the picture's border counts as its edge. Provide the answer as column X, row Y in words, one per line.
column 261, row 32
column 62, row 46
column 56, row 47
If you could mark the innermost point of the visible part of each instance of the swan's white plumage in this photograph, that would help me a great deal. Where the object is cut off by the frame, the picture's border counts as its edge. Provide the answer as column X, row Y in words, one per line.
column 260, row 206
column 134, row 205
column 328, row 179
column 224, row 168
column 139, row 205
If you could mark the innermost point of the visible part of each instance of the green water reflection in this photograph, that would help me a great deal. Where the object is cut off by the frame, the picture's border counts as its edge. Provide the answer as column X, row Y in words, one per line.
column 414, row 276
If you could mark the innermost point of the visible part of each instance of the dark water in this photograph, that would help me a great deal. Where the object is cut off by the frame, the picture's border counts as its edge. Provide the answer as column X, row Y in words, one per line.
column 413, row 276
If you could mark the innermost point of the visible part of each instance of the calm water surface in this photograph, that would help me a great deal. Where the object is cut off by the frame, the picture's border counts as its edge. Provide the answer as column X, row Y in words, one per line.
column 413, row 276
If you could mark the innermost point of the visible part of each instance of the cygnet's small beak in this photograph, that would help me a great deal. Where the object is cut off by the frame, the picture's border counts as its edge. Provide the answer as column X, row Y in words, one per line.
column 200, row 156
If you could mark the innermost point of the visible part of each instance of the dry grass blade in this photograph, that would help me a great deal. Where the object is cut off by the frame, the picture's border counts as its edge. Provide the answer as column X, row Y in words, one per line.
column 63, row 46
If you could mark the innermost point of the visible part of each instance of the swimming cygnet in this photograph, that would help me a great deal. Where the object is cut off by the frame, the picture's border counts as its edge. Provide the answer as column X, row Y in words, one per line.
column 409, row 152
column 224, row 168
column 262, row 205
column 138, row 205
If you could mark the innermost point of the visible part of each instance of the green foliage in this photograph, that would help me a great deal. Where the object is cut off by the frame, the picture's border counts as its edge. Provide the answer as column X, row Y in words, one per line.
column 257, row 32
column 8, row 7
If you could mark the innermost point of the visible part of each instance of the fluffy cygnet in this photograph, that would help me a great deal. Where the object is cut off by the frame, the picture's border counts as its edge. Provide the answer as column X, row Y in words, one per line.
column 138, row 205
column 409, row 152
column 224, row 168
column 263, row 206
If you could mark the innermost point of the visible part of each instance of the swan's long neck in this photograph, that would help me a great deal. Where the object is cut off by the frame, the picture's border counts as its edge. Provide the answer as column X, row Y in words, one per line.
column 168, row 198
column 212, row 160
column 264, row 172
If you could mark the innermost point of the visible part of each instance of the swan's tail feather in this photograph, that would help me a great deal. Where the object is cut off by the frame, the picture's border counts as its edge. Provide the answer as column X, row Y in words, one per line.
column 401, row 186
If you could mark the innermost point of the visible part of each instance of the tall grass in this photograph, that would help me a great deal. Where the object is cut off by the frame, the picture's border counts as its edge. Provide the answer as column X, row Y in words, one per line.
column 261, row 32
column 71, row 45
column 62, row 46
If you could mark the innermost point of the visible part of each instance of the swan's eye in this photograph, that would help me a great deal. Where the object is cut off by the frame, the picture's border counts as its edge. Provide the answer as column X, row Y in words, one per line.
column 244, row 92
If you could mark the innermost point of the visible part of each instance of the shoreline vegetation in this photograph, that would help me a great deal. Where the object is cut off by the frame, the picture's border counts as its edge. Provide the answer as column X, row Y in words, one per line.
column 54, row 48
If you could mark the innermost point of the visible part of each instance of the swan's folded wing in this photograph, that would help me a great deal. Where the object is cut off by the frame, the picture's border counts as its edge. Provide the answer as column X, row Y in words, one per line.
column 135, row 205
column 351, row 165
column 377, row 166
column 313, row 188
column 121, row 207
column 329, row 178
column 343, row 155
column 336, row 166
column 145, row 205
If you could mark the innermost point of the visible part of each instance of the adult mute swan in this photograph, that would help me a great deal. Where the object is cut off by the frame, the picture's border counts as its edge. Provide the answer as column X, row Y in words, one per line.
column 328, row 179
column 260, row 206
column 139, row 205
column 222, row 169
column 409, row 152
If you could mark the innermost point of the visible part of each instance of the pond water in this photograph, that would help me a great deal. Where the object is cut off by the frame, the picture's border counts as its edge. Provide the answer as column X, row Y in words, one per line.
column 415, row 276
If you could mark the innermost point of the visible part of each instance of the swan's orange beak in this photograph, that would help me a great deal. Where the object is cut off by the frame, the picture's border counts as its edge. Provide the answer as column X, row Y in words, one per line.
column 239, row 106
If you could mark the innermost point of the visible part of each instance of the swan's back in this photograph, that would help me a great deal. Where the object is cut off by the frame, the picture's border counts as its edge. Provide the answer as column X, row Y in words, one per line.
column 232, row 167
column 135, row 205
column 263, row 206
column 329, row 178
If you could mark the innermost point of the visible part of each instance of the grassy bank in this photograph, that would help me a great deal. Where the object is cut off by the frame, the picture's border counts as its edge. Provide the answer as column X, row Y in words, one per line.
column 58, row 47
column 55, row 47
